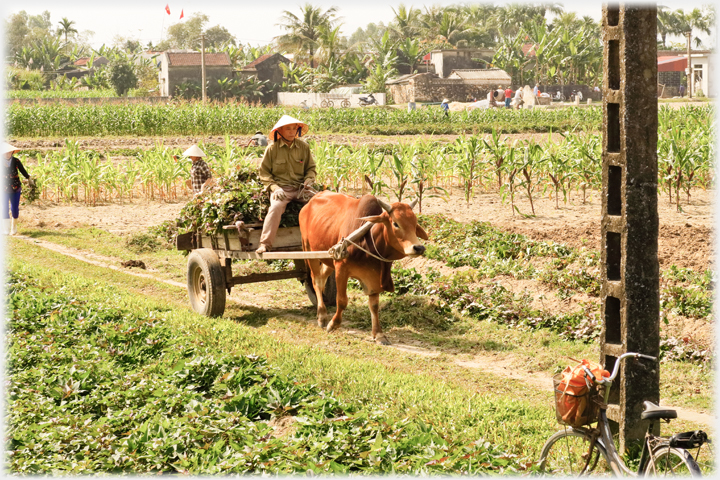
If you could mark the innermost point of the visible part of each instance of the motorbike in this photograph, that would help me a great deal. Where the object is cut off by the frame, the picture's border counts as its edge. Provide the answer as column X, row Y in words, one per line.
column 369, row 100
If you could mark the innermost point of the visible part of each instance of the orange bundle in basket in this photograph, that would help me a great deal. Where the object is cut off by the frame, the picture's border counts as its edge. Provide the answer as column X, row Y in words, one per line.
column 572, row 392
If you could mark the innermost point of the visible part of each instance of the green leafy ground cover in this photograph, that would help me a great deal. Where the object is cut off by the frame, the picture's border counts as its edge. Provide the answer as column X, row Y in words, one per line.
column 492, row 252
column 96, row 385
column 460, row 403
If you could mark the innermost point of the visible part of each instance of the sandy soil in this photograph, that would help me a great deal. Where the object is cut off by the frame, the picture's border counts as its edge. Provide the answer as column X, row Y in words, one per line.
column 686, row 238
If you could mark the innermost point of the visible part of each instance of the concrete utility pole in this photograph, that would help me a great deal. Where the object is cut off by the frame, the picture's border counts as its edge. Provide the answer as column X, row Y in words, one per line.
column 689, row 71
column 202, row 65
column 629, row 227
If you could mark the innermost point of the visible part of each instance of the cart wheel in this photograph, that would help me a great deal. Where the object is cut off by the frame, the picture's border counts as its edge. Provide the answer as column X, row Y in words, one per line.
column 206, row 283
column 345, row 103
column 324, row 104
column 329, row 295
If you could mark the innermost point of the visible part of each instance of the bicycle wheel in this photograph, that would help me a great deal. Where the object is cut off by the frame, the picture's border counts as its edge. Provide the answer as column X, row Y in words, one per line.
column 669, row 461
column 567, row 453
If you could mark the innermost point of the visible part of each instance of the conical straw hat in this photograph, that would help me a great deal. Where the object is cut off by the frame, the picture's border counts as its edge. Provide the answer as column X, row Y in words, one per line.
column 9, row 148
column 194, row 151
column 287, row 120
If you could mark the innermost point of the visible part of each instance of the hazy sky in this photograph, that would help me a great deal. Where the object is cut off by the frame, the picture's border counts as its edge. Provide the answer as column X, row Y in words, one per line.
column 250, row 22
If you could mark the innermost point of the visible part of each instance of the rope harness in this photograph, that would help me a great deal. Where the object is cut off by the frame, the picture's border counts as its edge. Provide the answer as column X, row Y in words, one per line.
column 370, row 253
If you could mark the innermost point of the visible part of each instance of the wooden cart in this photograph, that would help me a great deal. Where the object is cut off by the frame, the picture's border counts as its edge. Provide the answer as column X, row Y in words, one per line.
column 209, row 272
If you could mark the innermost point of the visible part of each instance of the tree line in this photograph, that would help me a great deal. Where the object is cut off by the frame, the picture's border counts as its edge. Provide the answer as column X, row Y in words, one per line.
column 534, row 42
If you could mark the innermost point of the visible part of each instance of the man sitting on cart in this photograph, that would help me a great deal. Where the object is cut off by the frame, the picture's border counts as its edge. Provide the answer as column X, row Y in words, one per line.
column 287, row 170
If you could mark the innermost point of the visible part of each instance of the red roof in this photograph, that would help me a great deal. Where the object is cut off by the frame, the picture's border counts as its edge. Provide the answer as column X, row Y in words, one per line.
column 190, row 59
column 258, row 60
column 672, row 64
column 528, row 49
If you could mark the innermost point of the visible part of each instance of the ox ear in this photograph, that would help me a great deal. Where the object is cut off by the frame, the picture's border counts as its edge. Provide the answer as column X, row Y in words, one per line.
column 372, row 219
column 420, row 232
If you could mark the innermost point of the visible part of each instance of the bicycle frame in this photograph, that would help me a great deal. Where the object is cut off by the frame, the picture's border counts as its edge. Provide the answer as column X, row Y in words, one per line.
column 613, row 457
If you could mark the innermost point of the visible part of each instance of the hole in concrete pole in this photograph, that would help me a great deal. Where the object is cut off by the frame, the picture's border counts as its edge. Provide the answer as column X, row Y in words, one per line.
column 613, row 14
column 614, row 255
column 614, row 204
column 613, row 127
column 614, row 397
column 612, row 320
column 614, row 64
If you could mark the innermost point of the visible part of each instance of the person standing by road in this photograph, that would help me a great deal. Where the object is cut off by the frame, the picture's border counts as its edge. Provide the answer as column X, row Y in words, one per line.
column 288, row 172
column 13, row 188
column 200, row 174
column 536, row 89
column 508, row 96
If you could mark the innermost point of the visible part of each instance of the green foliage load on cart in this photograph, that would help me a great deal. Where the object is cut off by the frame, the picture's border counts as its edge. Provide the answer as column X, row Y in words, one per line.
column 239, row 196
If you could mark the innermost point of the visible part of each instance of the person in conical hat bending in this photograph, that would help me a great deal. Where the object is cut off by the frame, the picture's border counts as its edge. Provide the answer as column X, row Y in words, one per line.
column 13, row 188
column 200, row 174
column 287, row 170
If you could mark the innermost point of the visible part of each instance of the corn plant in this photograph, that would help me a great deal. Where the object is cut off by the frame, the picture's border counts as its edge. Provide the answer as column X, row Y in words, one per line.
column 558, row 168
column 531, row 155
column 468, row 150
column 422, row 170
column 498, row 150
column 511, row 169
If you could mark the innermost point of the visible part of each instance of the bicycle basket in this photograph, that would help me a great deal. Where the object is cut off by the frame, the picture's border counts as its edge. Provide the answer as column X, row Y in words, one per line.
column 575, row 406
column 689, row 440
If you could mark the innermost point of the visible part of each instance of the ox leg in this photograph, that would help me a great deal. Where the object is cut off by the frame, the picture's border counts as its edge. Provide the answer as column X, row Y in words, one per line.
column 341, row 278
column 319, row 274
column 378, row 335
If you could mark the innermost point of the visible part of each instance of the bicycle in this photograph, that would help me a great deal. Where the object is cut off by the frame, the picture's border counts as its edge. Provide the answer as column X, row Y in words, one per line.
column 587, row 450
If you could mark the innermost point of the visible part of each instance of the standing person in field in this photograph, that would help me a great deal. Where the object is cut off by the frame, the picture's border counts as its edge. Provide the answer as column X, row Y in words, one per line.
column 200, row 174
column 445, row 105
column 508, row 96
column 287, row 170
column 13, row 188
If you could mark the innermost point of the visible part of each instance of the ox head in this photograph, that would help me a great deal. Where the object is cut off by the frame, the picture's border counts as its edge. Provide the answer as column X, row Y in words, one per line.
column 402, row 227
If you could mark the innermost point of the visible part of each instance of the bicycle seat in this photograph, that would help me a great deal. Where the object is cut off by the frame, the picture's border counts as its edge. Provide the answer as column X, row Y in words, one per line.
column 653, row 412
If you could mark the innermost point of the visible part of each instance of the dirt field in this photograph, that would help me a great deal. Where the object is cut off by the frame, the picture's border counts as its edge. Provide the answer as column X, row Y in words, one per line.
column 686, row 238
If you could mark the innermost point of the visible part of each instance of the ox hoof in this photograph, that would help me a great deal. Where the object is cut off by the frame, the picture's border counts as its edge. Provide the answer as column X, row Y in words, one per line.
column 382, row 340
column 332, row 326
column 323, row 321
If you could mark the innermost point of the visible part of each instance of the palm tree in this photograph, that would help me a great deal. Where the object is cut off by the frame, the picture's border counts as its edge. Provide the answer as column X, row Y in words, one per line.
column 304, row 32
column 694, row 20
column 66, row 27
column 406, row 23
column 666, row 21
column 329, row 45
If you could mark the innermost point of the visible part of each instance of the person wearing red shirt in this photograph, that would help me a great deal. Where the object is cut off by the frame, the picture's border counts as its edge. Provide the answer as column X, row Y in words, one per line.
column 508, row 96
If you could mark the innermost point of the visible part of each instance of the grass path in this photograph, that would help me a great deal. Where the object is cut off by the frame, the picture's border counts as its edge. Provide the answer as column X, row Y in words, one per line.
column 302, row 329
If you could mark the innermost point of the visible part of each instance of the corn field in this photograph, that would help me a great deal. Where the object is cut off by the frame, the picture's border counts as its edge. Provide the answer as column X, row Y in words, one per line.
column 471, row 163
column 191, row 118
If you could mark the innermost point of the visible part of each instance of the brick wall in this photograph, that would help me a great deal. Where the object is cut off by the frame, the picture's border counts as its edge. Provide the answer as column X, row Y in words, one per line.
column 432, row 89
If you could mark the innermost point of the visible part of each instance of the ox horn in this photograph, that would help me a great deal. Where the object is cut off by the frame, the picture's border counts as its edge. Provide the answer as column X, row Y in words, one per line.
column 384, row 205
column 414, row 202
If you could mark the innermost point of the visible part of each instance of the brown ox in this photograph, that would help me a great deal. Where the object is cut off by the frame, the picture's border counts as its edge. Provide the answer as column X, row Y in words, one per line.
column 328, row 218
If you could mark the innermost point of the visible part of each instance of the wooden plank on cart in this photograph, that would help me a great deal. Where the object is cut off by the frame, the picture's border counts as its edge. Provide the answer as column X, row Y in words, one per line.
column 287, row 238
column 296, row 255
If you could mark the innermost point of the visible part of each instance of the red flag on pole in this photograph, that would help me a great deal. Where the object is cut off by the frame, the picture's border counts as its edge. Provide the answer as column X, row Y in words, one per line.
column 182, row 14
column 167, row 8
